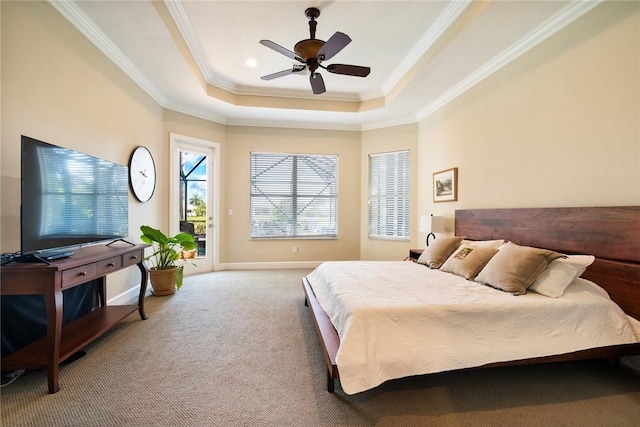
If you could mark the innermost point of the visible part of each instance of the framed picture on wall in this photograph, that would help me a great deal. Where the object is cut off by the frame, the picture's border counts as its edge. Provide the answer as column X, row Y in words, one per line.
column 445, row 185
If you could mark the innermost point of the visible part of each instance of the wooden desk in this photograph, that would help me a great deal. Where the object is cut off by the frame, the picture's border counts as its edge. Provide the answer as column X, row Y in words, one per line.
column 49, row 280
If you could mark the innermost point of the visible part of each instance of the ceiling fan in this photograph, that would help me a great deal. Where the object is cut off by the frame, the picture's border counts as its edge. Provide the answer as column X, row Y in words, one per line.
column 312, row 52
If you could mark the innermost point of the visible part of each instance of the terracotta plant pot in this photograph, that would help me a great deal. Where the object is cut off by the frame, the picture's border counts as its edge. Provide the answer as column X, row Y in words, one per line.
column 188, row 254
column 163, row 282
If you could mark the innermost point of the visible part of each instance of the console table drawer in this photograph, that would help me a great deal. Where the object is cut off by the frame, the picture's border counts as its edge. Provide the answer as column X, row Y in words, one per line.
column 108, row 265
column 77, row 275
column 132, row 258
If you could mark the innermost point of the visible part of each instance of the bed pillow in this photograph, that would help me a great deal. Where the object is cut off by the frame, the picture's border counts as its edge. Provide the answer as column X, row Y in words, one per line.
column 514, row 268
column 484, row 243
column 436, row 254
column 554, row 280
column 468, row 260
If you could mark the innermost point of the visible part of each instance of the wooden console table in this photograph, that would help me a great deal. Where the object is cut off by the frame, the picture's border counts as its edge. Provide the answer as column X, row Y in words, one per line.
column 49, row 280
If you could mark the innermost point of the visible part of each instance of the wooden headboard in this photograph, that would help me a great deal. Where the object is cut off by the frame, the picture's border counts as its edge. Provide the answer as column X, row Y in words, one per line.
column 611, row 234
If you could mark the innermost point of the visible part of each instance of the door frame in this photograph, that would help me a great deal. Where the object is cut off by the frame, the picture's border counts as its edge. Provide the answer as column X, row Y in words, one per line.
column 176, row 141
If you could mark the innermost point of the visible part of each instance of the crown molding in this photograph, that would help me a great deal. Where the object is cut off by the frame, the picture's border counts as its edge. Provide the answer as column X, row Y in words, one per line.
column 555, row 23
column 435, row 31
column 198, row 113
column 296, row 93
column 396, row 121
column 183, row 24
column 72, row 13
column 352, row 127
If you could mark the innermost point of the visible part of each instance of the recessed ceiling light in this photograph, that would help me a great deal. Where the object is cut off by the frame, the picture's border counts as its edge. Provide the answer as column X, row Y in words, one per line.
column 251, row 62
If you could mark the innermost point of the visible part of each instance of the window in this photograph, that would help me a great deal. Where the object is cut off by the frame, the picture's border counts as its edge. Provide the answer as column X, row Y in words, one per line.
column 294, row 195
column 389, row 195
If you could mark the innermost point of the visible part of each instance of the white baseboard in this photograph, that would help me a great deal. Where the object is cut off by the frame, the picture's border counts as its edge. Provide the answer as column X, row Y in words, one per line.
column 126, row 297
column 268, row 265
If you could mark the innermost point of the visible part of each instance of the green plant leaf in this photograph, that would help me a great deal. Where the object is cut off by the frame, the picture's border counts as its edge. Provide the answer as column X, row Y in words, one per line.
column 179, row 276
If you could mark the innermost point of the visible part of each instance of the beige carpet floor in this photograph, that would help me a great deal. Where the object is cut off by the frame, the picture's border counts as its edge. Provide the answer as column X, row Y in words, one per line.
column 238, row 348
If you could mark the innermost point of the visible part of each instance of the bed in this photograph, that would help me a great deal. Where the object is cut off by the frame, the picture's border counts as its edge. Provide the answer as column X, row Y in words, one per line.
column 610, row 234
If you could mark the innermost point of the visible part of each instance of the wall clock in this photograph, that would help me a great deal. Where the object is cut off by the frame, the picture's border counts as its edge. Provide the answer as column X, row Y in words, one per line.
column 142, row 174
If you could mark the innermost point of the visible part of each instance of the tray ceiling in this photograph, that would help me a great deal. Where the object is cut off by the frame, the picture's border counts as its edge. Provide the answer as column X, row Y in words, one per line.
column 191, row 56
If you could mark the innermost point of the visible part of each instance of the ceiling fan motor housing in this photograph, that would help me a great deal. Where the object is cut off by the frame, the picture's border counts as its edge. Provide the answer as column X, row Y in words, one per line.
column 308, row 48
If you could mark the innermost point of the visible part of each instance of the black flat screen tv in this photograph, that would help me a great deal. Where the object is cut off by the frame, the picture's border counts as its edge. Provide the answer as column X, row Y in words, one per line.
column 69, row 199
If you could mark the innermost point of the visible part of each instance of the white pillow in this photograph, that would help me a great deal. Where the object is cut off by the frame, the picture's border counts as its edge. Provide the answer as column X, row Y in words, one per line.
column 558, row 276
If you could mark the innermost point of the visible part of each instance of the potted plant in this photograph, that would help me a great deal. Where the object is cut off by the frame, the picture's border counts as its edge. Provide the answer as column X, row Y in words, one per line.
column 166, row 272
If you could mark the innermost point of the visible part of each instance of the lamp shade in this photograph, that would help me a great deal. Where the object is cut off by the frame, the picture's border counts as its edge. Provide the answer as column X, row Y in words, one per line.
column 432, row 224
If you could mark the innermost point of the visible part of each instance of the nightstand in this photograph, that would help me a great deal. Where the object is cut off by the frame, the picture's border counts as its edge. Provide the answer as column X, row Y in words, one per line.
column 414, row 254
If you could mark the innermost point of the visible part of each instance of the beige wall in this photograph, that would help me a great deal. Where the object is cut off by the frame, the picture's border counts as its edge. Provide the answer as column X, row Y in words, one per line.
column 236, row 142
column 379, row 141
column 560, row 126
column 57, row 87
column 237, row 247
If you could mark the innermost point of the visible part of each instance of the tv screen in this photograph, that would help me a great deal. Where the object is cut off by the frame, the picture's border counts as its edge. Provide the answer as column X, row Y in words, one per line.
column 70, row 199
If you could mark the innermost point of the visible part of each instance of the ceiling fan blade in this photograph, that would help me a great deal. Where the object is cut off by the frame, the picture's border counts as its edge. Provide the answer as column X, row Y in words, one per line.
column 317, row 83
column 349, row 70
column 280, row 49
column 278, row 74
column 335, row 44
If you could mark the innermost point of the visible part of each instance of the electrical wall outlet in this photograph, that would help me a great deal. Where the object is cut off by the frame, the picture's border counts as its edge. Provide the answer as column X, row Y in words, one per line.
column 295, row 249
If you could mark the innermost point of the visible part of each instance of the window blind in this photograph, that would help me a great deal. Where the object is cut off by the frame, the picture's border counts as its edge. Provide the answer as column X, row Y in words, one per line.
column 389, row 195
column 293, row 195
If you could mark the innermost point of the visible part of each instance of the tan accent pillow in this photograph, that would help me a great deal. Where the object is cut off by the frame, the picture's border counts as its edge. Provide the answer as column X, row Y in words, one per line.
column 484, row 243
column 436, row 254
column 467, row 260
column 514, row 268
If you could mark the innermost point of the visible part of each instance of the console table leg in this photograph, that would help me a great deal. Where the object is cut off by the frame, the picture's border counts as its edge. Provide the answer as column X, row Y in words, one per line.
column 53, row 304
column 143, row 289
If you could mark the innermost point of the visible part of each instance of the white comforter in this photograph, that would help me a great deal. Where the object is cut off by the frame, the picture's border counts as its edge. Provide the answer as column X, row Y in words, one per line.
column 397, row 319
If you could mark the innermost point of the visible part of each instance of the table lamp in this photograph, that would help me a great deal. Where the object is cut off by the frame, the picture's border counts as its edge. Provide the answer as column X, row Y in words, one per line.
column 431, row 224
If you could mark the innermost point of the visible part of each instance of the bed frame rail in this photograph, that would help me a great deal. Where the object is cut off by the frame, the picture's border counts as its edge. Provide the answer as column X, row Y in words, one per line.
column 326, row 332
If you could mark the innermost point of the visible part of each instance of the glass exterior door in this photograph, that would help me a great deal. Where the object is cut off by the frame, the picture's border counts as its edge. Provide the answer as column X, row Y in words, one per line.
column 193, row 200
